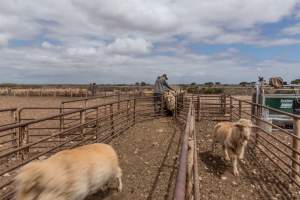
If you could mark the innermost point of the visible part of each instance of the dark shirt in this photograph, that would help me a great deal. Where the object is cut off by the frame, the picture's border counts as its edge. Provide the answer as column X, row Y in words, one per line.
column 161, row 85
column 296, row 106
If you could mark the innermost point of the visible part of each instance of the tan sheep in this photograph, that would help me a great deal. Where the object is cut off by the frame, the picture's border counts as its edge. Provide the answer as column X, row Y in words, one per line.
column 233, row 136
column 69, row 174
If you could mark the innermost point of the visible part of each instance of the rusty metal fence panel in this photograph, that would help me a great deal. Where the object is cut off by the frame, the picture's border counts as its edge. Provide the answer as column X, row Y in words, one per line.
column 99, row 123
column 8, row 138
column 280, row 145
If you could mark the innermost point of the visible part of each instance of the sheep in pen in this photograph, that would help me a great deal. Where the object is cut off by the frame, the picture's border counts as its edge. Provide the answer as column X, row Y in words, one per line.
column 69, row 174
column 169, row 98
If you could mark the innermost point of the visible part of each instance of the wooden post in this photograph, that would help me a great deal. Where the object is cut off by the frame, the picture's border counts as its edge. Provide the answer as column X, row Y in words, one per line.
column 240, row 109
column 112, row 119
column 61, row 121
column 134, row 110
column 190, row 163
column 223, row 104
column 257, row 122
column 84, row 107
column 199, row 108
column 97, row 123
column 118, row 101
column 82, row 122
column 14, row 131
column 176, row 105
column 296, row 147
column 23, row 140
column 127, row 111
column 230, row 108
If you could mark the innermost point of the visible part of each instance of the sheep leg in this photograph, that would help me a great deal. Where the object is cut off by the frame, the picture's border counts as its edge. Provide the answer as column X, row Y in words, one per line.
column 119, row 177
column 226, row 156
column 242, row 151
column 213, row 146
column 235, row 170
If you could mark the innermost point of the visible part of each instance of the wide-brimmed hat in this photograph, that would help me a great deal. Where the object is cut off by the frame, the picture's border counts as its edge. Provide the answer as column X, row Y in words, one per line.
column 165, row 75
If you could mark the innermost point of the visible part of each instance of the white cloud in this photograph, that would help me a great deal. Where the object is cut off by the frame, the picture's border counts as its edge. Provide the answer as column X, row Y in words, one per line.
column 137, row 15
column 149, row 19
column 292, row 30
column 3, row 40
column 49, row 45
column 82, row 65
column 108, row 40
column 130, row 46
column 278, row 42
column 82, row 51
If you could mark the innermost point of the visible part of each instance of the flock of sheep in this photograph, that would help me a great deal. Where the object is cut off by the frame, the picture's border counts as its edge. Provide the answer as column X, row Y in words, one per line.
column 75, row 92
column 74, row 174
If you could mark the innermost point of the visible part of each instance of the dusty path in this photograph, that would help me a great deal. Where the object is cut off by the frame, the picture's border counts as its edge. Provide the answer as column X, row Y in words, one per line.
column 255, row 181
column 148, row 158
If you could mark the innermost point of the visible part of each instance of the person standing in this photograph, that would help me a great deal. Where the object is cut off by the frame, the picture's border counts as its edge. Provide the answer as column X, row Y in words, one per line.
column 159, row 87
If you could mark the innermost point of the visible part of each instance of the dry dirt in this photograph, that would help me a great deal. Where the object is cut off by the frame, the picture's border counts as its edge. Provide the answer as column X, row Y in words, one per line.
column 258, row 179
column 147, row 154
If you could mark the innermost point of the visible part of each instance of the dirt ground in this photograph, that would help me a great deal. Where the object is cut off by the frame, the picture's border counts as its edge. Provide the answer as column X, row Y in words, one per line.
column 20, row 102
column 147, row 154
column 258, row 178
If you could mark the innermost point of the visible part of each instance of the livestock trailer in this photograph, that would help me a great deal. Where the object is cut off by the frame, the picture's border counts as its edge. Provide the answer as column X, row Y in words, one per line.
column 285, row 99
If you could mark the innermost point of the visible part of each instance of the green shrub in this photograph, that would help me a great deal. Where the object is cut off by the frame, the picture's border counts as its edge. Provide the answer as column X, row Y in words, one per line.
column 211, row 90
column 193, row 89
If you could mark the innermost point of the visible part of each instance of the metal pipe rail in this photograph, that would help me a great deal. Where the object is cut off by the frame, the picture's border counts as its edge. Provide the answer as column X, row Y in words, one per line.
column 187, row 180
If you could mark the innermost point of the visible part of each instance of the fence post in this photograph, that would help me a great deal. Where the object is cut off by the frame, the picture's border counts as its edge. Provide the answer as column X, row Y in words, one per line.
column 97, row 122
column 296, row 148
column 199, row 108
column 176, row 104
column 240, row 109
column 224, row 104
column 118, row 101
column 14, row 131
column 23, row 140
column 257, row 122
column 82, row 121
column 134, row 110
column 127, row 112
column 61, row 122
column 111, row 119
column 230, row 108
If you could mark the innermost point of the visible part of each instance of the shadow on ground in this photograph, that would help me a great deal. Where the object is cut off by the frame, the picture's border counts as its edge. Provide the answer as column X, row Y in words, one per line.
column 267, row 178
column 215, row 163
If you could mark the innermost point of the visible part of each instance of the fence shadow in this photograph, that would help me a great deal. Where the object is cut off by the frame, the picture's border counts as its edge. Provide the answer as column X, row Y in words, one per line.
column 215, row 163
column 163, row 165
column 264, row 177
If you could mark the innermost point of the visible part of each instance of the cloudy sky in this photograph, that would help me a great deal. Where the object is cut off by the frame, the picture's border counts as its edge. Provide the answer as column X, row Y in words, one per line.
column 124, row 41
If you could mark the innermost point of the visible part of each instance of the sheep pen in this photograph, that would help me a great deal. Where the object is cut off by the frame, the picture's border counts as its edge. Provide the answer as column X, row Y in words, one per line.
column 148, row 145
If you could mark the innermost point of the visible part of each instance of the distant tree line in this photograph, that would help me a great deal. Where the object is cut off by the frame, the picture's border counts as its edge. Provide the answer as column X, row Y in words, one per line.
column 141, row 83
column 296, row 81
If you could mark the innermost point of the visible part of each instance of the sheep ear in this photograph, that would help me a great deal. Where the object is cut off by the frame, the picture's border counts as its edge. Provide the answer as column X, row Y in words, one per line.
column 240, row 125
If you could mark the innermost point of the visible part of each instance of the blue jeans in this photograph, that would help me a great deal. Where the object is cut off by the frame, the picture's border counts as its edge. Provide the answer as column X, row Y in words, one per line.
column 157, row 102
